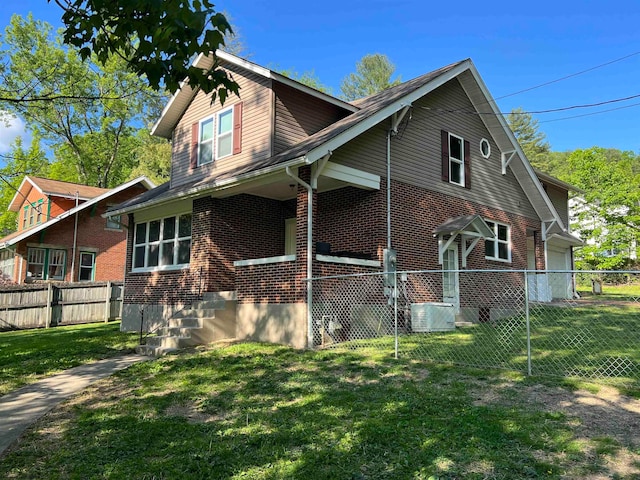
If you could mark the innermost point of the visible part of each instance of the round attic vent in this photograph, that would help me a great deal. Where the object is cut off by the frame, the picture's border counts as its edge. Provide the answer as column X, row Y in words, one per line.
column 485, row 148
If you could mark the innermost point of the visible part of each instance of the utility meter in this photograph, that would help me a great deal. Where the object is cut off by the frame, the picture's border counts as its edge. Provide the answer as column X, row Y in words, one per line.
column 390, row 265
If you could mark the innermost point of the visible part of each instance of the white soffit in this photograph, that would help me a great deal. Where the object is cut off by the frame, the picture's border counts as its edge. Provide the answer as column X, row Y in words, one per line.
column 352, row 176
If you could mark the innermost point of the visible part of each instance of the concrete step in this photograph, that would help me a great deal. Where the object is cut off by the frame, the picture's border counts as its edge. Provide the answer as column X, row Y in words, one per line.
column 196, row 311
column 165, row 341
column 186, row 322
column 178, row 331
column 153, row 351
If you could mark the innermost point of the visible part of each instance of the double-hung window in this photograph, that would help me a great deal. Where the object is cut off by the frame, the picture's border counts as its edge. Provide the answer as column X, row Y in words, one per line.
column 205, row 147
column 498, row 248
column 32, row 214
column 224, row 133
column 39, row 211
column 24, row 218
column 86, row 271
column 46, row 263
column 162, row 243
column 217, row 136
column 456, row 159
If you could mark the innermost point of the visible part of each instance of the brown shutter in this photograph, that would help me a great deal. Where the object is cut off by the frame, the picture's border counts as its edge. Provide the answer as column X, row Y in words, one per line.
column 195, row 130
column 467, row 164
column 237, row 128
column 445, row 155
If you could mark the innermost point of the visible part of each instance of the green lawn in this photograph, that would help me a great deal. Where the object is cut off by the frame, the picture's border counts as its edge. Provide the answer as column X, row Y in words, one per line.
column 594, row 342
column 629, row 291
column 262, row 412
column 28, row 355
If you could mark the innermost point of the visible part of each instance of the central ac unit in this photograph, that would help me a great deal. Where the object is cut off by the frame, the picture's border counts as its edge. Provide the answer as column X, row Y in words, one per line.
column 433, row 317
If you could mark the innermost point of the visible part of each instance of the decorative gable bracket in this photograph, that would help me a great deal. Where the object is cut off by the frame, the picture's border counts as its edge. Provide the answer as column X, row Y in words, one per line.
column 506, row 160
column 397, row 118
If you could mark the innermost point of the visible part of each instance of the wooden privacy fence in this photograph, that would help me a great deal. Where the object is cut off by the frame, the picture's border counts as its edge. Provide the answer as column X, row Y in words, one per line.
column 48, row 305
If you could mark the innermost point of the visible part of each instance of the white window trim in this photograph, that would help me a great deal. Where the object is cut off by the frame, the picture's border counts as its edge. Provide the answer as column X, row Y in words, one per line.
column 485, row 141
column 217, row 135
column 46, row 254
column 459, row 161
column 176, row 240
column 495, row 258
column 213, row 136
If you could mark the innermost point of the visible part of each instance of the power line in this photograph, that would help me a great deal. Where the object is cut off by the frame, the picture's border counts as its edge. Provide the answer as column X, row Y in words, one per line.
column 569, row 76
column 550, row 110
column 592, row 113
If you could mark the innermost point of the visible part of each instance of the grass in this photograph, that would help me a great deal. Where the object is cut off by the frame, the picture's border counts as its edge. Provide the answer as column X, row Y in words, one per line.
column 29, row 355
column 260, row 412
column 630, row 291
column 593, row 342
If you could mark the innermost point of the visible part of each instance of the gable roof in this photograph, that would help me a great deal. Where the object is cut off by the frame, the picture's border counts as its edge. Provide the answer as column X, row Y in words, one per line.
column 181, row 100
column 16, row 237
column 369, row 112
column 54, row 188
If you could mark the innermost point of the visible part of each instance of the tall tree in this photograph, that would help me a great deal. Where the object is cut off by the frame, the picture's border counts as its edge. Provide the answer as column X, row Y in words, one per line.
column 153, row 156
column 92, row 125
column 373, row 74
column 610, row 215
column 531, row 139
column 234, row 42
column 308, row 78
column 156, row 39
column 18, row 163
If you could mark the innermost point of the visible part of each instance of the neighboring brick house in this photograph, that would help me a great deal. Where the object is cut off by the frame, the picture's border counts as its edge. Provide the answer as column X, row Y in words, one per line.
column 287, row 182
column 61, row 234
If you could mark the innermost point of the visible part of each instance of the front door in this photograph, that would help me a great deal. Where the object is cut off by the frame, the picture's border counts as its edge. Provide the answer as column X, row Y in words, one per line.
column 450, row 281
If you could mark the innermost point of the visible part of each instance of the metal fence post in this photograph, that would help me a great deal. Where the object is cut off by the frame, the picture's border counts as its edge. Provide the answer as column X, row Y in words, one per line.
column 526, row 313
column 395, row 311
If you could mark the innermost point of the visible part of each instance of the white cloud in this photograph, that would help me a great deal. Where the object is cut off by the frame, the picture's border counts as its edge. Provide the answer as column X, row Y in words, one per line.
column 10, row 128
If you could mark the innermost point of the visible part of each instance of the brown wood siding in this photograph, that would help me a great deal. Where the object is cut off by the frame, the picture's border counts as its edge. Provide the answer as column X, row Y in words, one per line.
column 299, row 115
column 255, row 95
column 416, row 152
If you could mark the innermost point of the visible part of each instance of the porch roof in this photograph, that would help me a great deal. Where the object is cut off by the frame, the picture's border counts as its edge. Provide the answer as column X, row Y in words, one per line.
column 466, row 227
column 467, row 224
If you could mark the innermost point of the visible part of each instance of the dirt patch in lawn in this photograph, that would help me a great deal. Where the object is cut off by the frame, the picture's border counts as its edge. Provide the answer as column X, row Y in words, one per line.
column 595, row 417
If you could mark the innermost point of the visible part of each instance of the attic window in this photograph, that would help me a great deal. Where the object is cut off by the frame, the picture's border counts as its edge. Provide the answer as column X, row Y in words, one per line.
column 217, row 136
column 205, row 150
column 485, row 148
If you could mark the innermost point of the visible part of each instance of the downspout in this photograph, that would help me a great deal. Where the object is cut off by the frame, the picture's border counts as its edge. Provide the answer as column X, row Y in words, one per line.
column 389, row 189
column 75, row 241
column 299, row 181
column 20, row 269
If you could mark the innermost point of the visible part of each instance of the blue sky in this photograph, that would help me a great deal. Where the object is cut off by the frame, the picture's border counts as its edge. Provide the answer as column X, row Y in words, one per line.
column 515, row 46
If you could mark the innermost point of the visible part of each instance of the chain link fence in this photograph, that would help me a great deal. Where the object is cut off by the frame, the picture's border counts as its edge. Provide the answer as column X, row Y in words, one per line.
column 584, row 324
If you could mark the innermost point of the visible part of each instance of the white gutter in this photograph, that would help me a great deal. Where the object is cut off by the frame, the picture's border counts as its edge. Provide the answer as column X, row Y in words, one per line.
column 19, row 282
column 211, row 187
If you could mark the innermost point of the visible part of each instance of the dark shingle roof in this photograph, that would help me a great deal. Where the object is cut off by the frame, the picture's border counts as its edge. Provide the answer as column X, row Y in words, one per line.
column 367, row 107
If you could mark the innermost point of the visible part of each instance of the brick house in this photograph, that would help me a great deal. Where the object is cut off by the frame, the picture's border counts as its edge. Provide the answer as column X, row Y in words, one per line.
column 286, row 183
column 61, row 234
